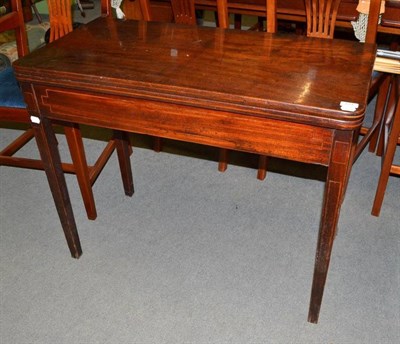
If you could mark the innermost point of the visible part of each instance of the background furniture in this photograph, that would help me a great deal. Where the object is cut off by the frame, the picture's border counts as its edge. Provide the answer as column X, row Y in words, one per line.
column 292, row 11
column 379, row 83
column 321, row 17
column 183, row 11
column 60, row 18
column 32, row 4
column 391, row 129
column 83, row 5
column 385, row 126
column 13, row 107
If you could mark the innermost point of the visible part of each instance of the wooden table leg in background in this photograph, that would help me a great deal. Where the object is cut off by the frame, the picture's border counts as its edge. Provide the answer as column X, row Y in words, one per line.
column 335, row 184
column 387, row 165
column 47, row 144
column 124, row 151
column 77, row 151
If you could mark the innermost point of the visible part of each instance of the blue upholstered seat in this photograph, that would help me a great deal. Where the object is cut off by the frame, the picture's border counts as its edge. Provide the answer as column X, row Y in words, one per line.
column 10, row 93
column 375, row 74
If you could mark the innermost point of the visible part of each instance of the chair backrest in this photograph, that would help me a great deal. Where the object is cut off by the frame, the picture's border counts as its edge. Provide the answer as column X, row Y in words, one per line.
column 373, row 21
column 60, row 14
column 146, row 9
column 15, row 21
column 105, row 7
column 321, row 17
column 183, row 11
column 270, row 8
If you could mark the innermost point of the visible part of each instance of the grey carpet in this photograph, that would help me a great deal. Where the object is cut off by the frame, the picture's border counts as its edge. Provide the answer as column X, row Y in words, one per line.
column 196, row 256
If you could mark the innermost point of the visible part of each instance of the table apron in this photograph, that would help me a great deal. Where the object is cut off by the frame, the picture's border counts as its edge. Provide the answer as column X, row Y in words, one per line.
column 249, row 133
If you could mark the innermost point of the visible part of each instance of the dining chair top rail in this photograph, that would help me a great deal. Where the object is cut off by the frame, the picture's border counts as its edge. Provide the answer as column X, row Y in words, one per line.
column 211, row 68
column 347, row 11
column 294, row 10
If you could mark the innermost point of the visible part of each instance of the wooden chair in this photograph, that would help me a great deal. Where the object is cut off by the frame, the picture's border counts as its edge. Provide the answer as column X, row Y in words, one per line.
column 321, row 17
column 379, row 87
column 378, row 138
column 392, row 127
column 12, row 107
column 271, row 27
column 32, row 4
column 389, row 97
column 60, row 18
column 270, row 14
column 183, row 11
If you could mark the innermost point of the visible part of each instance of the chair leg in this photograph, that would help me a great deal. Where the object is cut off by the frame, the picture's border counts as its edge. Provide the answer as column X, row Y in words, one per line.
column 381, row 142
column 223, row 160
column 35, row 10
column 18, row 143
column 75, row 144
column 389, row 113
column 260, row 23
column 371, row 134
column 379, row 111
column 237, row 21
column 157, row 144
column 124, row 151
column 387, row 162
column 86, row 175
column 262, row 167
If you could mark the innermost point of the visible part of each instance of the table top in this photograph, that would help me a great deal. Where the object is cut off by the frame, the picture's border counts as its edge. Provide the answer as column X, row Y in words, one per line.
column 255, row 73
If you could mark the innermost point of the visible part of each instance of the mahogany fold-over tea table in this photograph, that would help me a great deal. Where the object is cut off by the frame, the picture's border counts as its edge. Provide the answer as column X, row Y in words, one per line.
column 278, row 95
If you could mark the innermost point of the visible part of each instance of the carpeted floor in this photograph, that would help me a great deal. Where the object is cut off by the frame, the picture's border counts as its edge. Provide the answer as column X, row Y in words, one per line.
column 196, row 256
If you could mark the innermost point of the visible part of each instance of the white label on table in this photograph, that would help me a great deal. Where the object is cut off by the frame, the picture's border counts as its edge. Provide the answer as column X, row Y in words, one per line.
column 348, row 106
column 35, row 119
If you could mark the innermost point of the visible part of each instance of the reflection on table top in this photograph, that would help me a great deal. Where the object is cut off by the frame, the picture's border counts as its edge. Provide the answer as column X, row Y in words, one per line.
column 251, row 70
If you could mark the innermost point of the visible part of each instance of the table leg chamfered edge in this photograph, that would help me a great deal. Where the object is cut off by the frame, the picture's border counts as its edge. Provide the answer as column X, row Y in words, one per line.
column 50, row 156
column 48, row 149
column 336, row 182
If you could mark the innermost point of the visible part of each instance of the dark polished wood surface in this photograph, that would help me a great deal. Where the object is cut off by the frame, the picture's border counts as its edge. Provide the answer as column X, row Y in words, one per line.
column 126, row 55
column 207, row 86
